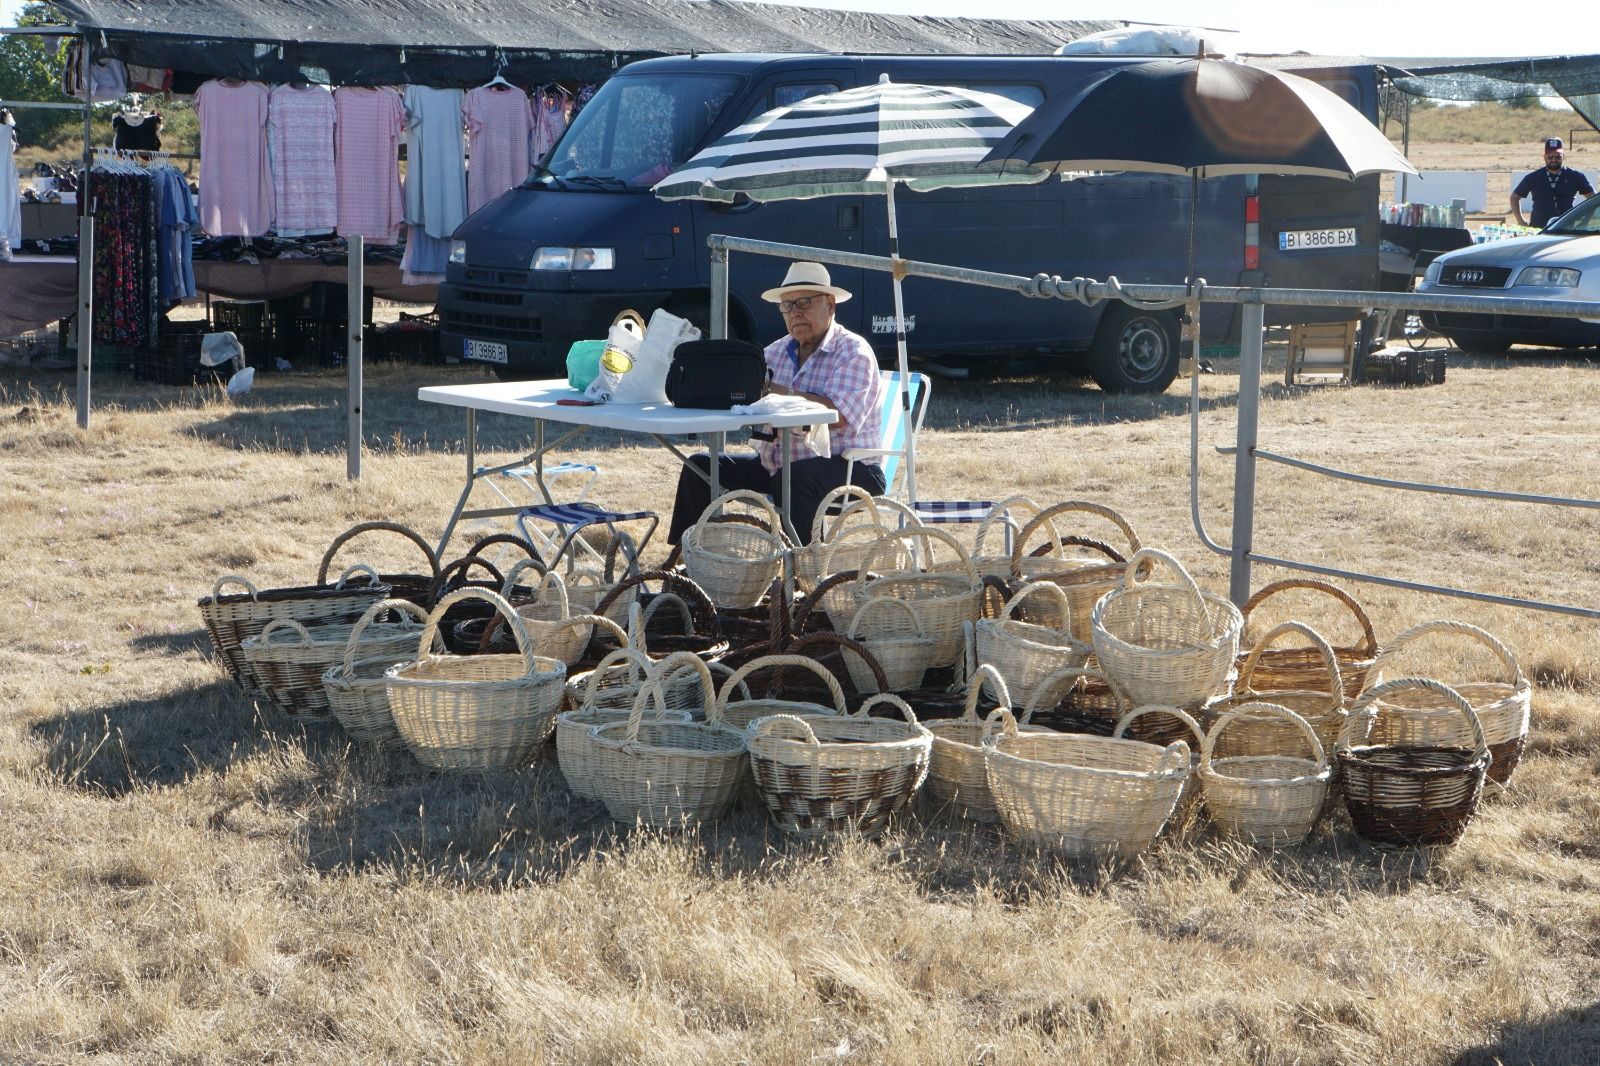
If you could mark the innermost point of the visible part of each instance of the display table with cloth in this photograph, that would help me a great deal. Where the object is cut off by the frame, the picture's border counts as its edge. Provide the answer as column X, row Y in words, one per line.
column 41, row 289
column 540, row 401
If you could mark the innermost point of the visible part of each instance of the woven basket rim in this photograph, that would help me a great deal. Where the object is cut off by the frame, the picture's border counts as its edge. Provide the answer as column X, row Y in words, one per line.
column 381, row 631
column 1155, row 773
column 1359, row 755
column 735, row 739
column 557, row 670
column 1004, row 625
column 1300, row 779
column 1228, row 634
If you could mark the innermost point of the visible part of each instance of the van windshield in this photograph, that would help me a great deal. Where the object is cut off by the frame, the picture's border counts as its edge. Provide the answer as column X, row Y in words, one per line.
column 637, row 130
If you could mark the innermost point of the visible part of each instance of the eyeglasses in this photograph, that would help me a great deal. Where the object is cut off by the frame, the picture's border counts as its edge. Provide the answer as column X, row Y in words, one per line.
column 799, row 303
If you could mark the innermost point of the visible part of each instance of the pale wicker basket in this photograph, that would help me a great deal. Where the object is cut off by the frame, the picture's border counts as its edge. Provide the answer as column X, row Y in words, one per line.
column 475, row 712
column 733, row 562
column 821, row 776
column 1170, row 644
column 289, row 659
column 575, row 749
column 739, row 713
column 1024, row 653
column 1266, row 799
column 356, row 689
column 1300, row 668
column 957, row 777
column 1084, row 575
column 889, row 628
column 1423, row 717
column 942, row 599
column 1321, row 703
column 1085, row 796
column 666, row 773
column 859, row 521
column 1186, row 814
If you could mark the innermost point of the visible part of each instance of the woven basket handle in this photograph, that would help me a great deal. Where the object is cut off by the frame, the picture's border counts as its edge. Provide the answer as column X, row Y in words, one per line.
column 703, row 610
column 831, row 548
column 827, row 639
column 926, row 534
column 754, row 500
column 377, row 610
column 792, row 726
column 1051, row 690
column 667, row 599
column 1049, row 590
column 985, row 675
column 1005, row 514
column 1369, row 639
column 861, row 500
column 1074, row 541
column 369, row 527
column 1247, row 672
column 522, row 544
column 553, row 579
column 637, row 661
column 575, row 621
column 865, row 710
column 1370, row 706
column 1319, row 756
column 802, row 613
column 495, row 600
column 1514, row 675
column 651, row 689
column 1174, row 760
column 285, row 623
column 999, row 722
column 1160, row 708
column 724, row 671
column 880, row 603
column 1046, row 519
column 515, row 572
column 234, row 579
column 358, row 568
column 460, row 568
column 835, row 690
column 677, row 663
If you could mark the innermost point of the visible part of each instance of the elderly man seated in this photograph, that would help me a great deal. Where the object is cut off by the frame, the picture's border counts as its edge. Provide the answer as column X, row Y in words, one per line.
column 822, row 361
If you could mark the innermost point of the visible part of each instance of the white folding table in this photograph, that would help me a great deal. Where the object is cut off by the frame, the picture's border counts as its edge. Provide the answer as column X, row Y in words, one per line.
column 540, row 401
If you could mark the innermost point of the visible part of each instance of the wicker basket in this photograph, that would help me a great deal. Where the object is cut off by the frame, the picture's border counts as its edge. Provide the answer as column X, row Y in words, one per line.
column 414, row 587
column 739, row 713
column 666, row 773
column 1079, row 699
column 941, row 600
column 289, row 659
column 700, row 634
column 233, row 619
column 574, row 746
column 1170, row 725
column 1302, row 668
column 1008, row 515
column 1086, row 796
column 1170, row 644
column 1024, row 653
column 1266, row 799
column 821, row 776
column 859, row 522
column 1320, row 702
column 956, row 774
column 614, row 683
column 357, row 691
column 1410, row 795
column 1421, row 717
column 889, row 628
column 734, row 562
column 1083, row 576
column 475, row 712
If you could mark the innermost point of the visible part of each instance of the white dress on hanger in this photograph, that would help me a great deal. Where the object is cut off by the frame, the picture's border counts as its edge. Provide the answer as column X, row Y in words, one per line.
column 10, row 193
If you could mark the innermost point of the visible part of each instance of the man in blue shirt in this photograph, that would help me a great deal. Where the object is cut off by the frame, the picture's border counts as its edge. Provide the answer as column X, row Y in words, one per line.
column 1552, row 187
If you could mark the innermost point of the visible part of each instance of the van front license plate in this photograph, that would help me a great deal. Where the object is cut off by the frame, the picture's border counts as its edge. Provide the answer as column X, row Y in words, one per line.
column 1304, row 240
column 486, row 352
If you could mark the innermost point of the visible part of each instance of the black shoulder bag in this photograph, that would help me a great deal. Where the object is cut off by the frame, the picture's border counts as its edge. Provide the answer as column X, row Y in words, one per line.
column 716, row 374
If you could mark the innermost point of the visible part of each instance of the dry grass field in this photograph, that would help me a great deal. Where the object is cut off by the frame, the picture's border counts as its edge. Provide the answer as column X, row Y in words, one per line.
column 186, row 879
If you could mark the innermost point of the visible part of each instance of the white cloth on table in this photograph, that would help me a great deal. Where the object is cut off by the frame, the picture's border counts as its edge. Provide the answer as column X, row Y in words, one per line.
column 10, row 193
column 436, row 162
column 816, row 437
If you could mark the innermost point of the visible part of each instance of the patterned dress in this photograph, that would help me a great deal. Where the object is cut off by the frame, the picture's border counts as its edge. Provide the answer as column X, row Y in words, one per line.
column 304, row 184
column 235, row 181
column 367, row 159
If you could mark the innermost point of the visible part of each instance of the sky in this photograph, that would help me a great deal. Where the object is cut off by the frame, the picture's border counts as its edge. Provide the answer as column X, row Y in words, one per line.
column 1421, row 28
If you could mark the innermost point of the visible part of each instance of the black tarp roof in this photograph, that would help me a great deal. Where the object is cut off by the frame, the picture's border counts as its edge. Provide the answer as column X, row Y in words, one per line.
column 465, row 42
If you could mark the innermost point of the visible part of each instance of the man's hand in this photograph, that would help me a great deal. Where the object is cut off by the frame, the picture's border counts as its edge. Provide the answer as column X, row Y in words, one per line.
column 1516, row 209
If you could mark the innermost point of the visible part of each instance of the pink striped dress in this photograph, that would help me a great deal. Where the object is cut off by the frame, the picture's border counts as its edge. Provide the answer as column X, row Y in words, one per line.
column 235, row 181
column 499, row 125
column 303, row 180
column 368, row 163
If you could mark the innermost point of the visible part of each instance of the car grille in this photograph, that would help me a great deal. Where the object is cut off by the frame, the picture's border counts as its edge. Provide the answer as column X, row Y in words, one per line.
column 1475, row 277
column 491, row 327
column 516, row 279
column 480, row 296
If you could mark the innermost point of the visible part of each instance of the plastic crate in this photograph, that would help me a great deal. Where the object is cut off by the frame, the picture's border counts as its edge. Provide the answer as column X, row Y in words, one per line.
column 175, row 360
column 239, row 316
column 310, row 341
column 327, row 301
column 403, row 345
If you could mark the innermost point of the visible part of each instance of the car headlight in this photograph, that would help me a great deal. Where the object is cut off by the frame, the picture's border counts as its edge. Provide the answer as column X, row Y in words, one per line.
column 1549, row 277
column 458, row 251
column 573, row 259
column 1431, row 275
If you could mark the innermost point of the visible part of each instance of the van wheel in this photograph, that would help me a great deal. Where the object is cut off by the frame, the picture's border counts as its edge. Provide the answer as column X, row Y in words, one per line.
column 1134, row 350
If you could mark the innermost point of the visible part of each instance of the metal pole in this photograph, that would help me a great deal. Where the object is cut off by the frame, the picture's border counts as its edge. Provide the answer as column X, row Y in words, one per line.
column 1244, row 461
column 355, row 321
column 85, row 312
column 1405, row 149
column 719, row 293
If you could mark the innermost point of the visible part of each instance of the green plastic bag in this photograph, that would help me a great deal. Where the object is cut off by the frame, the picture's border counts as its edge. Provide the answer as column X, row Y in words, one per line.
column 583, row 363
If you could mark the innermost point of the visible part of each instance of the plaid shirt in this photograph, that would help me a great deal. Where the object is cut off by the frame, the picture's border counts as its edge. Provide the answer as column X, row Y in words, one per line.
column 844, row 369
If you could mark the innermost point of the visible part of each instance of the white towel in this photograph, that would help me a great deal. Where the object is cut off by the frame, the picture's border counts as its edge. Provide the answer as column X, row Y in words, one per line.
column 816, row 437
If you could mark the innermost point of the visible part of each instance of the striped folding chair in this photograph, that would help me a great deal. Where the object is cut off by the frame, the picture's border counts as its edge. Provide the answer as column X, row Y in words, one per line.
column 570, row 519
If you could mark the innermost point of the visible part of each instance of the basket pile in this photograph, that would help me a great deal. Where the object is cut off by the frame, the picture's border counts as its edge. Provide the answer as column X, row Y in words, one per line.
column 732, row 561
column 575, row 748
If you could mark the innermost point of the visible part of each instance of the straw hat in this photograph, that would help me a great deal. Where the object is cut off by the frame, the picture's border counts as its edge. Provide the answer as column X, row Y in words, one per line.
column 806, row 277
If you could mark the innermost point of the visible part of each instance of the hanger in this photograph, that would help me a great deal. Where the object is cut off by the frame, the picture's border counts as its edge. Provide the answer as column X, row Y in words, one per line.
column 497, row 83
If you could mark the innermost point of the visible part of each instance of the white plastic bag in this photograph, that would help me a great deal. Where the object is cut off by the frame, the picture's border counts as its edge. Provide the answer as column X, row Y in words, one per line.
column 646, row 382
column 622, row 341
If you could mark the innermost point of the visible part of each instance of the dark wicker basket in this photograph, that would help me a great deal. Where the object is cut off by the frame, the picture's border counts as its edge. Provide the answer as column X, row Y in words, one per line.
column 704, row 638
column 413, row 587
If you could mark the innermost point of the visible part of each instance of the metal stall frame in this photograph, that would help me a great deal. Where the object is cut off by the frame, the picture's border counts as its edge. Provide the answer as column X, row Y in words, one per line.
column 1246, row 454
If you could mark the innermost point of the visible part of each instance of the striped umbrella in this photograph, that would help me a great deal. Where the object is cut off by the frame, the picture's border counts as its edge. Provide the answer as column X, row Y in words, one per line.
column 862, row 140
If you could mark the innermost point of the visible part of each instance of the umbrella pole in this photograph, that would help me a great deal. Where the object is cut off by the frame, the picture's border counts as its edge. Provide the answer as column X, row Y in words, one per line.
column 900, row 346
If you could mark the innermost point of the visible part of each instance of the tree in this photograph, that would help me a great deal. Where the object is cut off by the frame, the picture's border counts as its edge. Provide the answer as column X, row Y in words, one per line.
column 30, row 69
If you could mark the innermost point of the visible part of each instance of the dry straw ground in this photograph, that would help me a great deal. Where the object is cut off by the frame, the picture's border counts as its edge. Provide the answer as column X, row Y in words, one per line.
column 186, row 881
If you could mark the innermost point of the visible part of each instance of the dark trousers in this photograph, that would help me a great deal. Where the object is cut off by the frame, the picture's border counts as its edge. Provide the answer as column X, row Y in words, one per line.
column 810, row 480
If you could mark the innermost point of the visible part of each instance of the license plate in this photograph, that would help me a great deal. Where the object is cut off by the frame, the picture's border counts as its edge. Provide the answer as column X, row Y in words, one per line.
column 1301, row 240
column 486, row 351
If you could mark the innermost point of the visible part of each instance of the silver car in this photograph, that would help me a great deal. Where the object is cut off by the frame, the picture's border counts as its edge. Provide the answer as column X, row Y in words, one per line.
column 1561, row 263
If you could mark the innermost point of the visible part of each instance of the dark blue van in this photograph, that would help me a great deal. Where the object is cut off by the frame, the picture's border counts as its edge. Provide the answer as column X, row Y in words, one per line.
column 555, row 259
